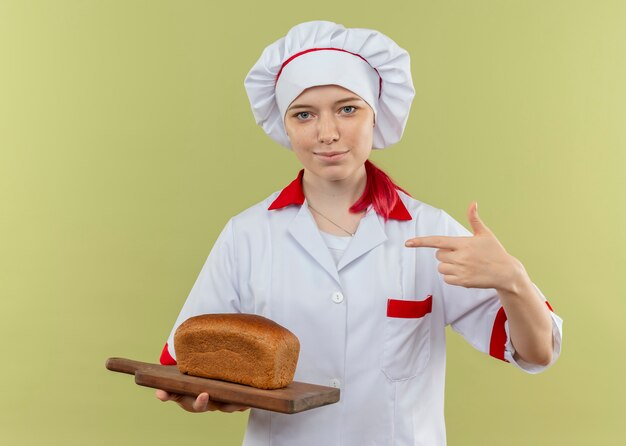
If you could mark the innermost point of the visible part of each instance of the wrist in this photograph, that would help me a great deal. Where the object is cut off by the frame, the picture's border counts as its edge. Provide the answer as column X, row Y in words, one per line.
column 518, row 282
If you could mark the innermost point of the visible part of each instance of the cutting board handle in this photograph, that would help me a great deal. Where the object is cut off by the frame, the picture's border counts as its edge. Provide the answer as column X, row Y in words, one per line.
column 124, row 365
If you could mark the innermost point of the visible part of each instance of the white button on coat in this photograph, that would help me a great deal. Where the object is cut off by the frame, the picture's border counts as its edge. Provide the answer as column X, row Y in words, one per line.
column 337, row 297
column 336, row 383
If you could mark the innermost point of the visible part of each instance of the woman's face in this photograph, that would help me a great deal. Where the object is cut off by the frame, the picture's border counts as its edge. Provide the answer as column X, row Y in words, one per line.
column 331, row 131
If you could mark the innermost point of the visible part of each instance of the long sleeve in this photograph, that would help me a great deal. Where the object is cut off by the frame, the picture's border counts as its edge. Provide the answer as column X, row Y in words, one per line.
column 215, row 289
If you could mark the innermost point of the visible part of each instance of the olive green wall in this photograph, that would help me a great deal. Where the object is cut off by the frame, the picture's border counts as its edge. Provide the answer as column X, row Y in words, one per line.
column 126, row 143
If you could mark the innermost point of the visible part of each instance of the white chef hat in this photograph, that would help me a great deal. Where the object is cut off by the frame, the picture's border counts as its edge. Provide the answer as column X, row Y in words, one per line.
column 363, row 61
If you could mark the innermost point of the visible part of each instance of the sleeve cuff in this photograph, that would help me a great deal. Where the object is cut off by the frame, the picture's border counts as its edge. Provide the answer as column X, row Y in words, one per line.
column 557, row 333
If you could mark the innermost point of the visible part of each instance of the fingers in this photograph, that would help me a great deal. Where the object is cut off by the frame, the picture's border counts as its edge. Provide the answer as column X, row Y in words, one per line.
column 446, row 269
column 229, row 408
column 201, row 403
column 445, row 255
column 162, row 395
column 453, row 280
column 446, row 242
column 189, row 403
column 437, row 241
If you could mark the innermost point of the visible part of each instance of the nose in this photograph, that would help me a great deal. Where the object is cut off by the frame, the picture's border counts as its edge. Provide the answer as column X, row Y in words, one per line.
column 327, row 130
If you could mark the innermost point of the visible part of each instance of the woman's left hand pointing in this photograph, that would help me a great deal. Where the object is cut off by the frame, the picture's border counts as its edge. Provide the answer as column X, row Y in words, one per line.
column 478, row 261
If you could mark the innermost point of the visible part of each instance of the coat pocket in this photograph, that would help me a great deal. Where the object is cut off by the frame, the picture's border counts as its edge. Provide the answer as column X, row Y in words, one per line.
column 407, row 338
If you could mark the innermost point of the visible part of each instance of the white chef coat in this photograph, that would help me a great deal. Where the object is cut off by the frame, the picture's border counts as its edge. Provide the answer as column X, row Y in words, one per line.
column 373, row 324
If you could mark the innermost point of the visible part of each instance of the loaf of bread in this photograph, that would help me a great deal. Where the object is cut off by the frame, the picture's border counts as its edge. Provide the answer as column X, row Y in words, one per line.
column 242, row 348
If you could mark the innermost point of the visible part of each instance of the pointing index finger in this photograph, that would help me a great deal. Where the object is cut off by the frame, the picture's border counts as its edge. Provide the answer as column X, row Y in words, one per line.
column 435, row 241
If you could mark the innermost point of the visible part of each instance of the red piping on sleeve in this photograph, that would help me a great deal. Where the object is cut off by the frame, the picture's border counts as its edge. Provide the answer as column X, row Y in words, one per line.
column 166, row 358
column 498, row 335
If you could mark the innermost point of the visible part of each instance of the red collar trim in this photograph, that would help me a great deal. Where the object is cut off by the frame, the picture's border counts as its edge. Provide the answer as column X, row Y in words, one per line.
column 400, row 212
column 293, row 194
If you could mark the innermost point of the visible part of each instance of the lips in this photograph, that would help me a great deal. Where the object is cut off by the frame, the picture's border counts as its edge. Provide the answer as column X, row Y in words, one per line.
column 330, row 155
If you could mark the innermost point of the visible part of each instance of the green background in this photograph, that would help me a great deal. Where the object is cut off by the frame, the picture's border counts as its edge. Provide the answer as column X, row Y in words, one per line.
column 127, row 141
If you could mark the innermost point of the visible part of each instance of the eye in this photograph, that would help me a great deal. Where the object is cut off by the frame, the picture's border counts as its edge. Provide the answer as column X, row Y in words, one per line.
column 303, row 115
column 348, row 109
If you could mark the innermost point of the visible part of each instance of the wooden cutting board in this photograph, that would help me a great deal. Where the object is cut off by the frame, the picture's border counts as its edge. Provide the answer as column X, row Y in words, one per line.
column 296, row 397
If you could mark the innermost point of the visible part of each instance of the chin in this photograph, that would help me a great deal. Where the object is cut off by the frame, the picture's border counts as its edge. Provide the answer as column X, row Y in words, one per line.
column 335, row 173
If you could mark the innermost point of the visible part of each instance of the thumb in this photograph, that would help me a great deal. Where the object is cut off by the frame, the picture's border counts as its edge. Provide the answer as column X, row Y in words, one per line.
column 478, row 227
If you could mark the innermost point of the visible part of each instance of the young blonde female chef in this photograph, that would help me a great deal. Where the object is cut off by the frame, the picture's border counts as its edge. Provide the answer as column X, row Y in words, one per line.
column 366, row 276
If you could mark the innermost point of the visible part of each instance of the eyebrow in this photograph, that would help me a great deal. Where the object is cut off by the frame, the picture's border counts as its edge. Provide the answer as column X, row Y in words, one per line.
column 340, row 101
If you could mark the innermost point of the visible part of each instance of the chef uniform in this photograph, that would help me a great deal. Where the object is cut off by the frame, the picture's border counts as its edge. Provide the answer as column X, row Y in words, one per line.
column 369, row 312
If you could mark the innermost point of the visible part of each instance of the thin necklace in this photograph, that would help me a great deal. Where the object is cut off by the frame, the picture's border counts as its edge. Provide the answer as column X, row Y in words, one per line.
column 344, row 230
